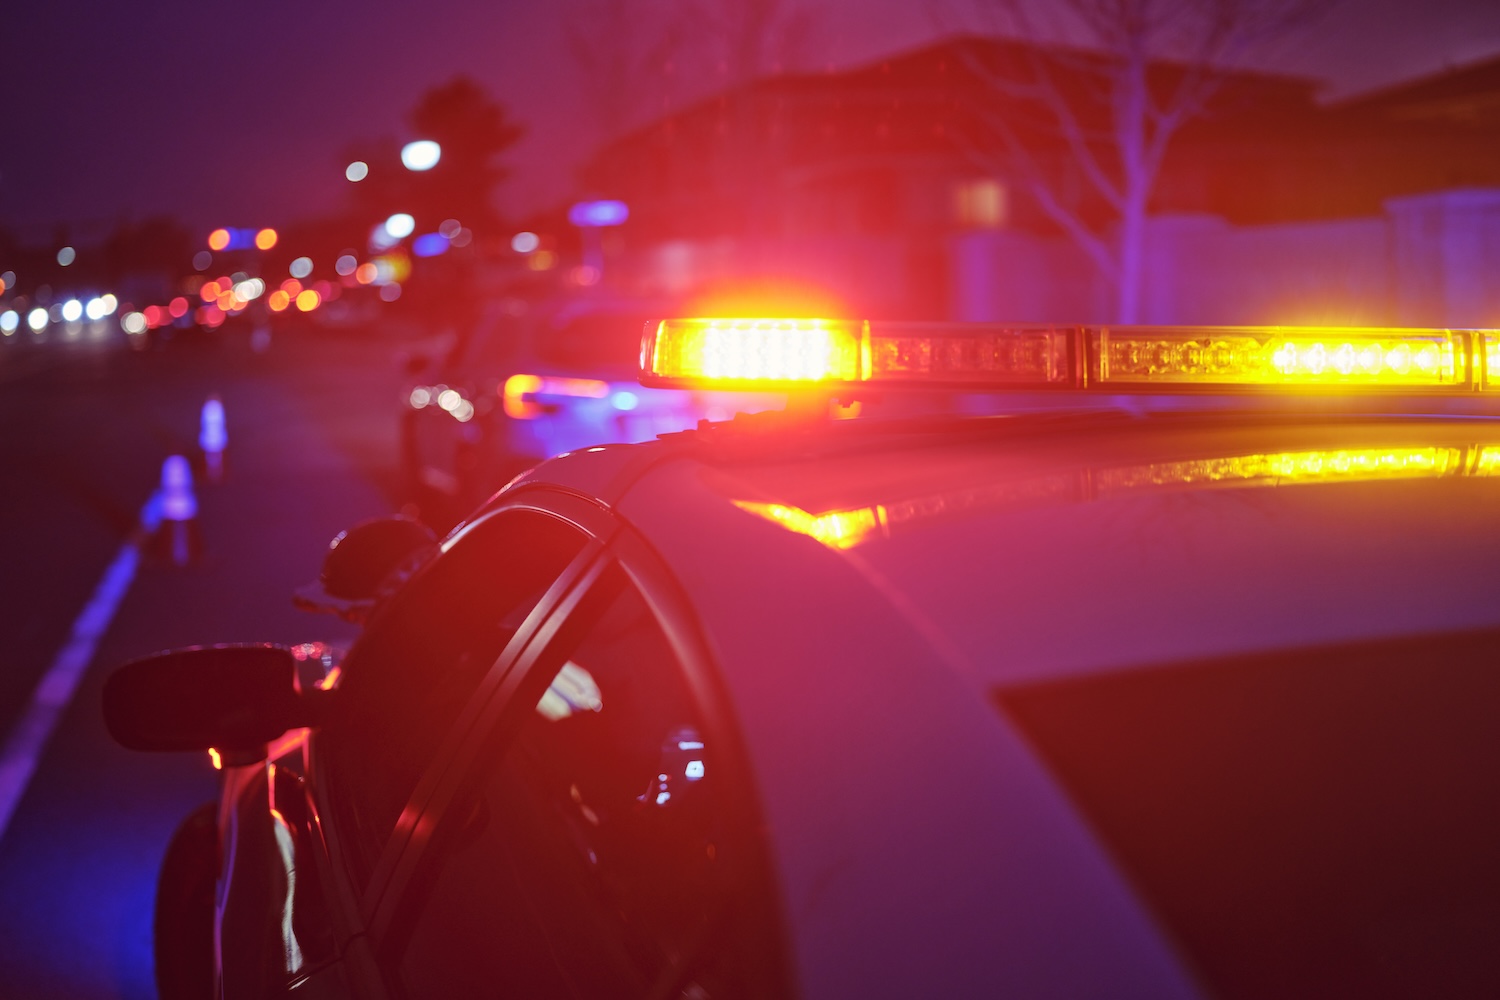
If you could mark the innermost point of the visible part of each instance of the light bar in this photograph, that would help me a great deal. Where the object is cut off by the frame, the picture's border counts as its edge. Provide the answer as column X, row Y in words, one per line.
column 518, row 394
column 787, row 353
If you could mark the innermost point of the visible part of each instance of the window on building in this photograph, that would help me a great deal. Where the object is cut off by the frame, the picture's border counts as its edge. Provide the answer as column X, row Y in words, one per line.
column 980, row 204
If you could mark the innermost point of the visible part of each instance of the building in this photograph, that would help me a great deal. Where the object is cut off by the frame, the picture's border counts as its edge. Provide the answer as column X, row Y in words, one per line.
column 904, row 187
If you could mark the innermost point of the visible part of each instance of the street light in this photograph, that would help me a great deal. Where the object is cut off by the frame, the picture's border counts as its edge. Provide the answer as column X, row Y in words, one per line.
column 400, row 226
column 421, row 155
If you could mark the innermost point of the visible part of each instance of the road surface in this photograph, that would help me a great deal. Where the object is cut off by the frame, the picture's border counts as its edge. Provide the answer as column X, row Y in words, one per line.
column 86, row 428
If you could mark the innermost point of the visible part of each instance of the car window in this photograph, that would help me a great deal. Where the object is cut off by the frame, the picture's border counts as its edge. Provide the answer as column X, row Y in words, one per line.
column 411, row 673
column 590, row 857
column 1309, row 823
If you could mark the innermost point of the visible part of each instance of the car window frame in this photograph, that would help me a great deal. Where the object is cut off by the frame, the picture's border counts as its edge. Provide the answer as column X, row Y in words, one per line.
column 622, row 549
column 354, row 900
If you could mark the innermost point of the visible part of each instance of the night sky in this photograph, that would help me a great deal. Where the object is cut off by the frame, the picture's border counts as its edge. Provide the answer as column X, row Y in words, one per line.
column 233, row 114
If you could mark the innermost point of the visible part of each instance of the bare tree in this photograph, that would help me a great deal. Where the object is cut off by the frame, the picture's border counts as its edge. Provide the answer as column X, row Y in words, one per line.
column 626, row 52
column 1132, row 74
column 637, row 57
column 754, row 38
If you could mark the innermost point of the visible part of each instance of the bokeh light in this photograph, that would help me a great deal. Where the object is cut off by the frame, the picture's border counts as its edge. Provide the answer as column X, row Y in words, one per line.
column 178, row 307
column 307, row 300
column 450, row 228
column 462, row 238
column 133, row 323
column 525, row 242
column 72, row 311
column 249, row 289
column 37, row 319
column 357, row 171
column 96, row 308
column 10, row 321
column 429, row 245
column 390, row 292
column 278, row 300
column 66, row 256
column 421, row 155
column 218, row 239
column 301, row 267
column 346, row 264
column 265, row 239
column 400, row 226
column 365, row 273
column 202, row 260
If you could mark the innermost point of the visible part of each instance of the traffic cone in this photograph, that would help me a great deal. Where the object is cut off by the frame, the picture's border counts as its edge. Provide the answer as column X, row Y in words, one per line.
column 212, row 437
column 260, row 338
column 179, row 510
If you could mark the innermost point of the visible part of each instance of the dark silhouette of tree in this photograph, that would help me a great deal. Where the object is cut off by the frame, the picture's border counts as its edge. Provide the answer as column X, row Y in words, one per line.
column 473, row 131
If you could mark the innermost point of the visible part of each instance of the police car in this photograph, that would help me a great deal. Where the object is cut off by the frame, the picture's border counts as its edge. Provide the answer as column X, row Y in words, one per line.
column 1191, row 694
column 530, row 381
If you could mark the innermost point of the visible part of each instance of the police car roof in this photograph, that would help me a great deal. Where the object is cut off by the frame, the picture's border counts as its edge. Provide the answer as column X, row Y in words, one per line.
column 1120, row 540
column 875, row 599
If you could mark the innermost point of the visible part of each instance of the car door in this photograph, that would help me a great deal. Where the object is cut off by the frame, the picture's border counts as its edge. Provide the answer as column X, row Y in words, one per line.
column 597, row 836
column 305, row 863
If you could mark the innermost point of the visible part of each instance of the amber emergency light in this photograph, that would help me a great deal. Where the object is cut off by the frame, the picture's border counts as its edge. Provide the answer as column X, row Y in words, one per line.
column 790, row 353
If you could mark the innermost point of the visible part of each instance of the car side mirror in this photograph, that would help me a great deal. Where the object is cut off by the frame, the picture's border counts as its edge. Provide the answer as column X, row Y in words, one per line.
column 361, row 562
column 232, row 698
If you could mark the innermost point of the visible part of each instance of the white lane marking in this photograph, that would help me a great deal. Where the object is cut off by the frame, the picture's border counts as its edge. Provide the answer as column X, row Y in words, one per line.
column 23, row 749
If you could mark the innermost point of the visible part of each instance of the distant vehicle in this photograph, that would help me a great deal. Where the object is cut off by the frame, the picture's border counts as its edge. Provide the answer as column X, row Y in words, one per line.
column 532, row 381
column 1078, row 702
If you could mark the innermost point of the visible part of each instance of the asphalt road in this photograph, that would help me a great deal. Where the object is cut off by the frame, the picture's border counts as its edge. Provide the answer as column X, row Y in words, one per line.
column 84, row 430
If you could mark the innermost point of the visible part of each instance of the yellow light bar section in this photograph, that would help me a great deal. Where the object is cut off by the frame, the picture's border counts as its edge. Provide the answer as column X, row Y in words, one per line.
column 964, row 354
column 1489, row 350
column 828, row 351
column 1277, row 356
column 766, row 351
